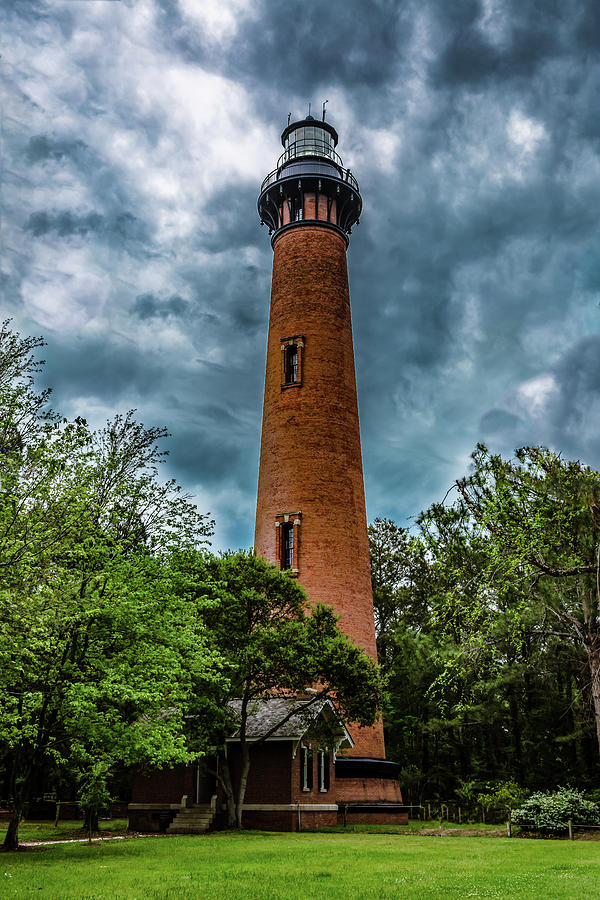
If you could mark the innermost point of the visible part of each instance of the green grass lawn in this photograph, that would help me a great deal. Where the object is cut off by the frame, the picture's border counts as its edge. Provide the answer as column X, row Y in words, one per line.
column 45, row 831
column 257, row 866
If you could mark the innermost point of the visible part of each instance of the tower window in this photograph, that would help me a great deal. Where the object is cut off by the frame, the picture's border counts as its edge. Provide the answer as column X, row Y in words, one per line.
column 291, row 364
column 292, row 349
column 287, row 541
column 287, row 546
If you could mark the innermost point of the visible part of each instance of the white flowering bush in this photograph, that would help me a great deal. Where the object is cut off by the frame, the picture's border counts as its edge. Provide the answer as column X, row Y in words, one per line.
column 550, row 813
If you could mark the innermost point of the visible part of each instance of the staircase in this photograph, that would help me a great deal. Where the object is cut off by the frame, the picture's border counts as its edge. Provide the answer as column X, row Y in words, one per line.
column 195, row 819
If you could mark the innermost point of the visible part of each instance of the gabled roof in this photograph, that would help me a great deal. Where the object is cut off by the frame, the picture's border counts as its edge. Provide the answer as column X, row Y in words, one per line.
column 263, row 715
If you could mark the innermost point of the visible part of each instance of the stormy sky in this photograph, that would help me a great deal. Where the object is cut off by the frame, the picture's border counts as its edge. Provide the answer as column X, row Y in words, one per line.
column 135, row 138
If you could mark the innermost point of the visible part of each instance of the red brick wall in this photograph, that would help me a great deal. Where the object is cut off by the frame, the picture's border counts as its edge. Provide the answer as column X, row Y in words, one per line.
column 269, row 780
column 367, row 790
column 310, row 453
column 164, row 785
column 374, row 818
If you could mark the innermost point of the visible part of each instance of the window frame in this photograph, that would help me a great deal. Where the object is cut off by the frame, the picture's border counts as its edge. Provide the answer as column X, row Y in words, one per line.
column 306, row 769
column 324, row 771
column 286, row 343
column 283, row 521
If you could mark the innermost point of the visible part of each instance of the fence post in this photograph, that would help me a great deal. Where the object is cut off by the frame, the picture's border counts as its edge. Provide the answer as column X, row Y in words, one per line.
column 459, row 816
column 570, row 829
column 428, row 811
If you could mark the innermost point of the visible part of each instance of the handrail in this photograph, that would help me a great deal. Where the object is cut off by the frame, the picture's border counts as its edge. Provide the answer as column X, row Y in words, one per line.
column 345, row 176
column 309, row 147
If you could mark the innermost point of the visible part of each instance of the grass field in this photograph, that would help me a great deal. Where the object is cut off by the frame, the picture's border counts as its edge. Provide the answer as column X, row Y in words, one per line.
column 67, row 830
column 257, row 866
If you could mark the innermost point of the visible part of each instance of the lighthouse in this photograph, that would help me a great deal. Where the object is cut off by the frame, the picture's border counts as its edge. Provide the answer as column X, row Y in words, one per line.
column 310, row 519
column 310, row 511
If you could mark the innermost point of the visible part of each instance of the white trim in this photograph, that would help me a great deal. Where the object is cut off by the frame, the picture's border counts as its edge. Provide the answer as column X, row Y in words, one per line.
column 155, row 806
column 290, row 807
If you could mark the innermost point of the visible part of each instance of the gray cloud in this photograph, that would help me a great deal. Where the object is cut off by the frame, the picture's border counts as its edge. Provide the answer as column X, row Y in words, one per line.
column 131, row 174
column 147, row 306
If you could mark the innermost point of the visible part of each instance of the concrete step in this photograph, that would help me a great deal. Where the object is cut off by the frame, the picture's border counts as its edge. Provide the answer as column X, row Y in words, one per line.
column 192, row 820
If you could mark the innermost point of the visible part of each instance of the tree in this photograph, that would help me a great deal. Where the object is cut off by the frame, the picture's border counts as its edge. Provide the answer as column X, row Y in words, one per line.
column 273, row 644
column 540, row 516
column 479, row 689
column 99, row 656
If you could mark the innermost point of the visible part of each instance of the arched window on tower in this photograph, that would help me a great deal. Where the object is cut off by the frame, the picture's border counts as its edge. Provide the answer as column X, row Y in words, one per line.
column 291, row 361
column 287, row 540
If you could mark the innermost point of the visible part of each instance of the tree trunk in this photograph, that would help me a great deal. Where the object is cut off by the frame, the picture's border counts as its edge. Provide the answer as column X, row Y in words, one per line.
column 593, row 655
column 243, row 782
column 225, row 779
column 11, row 840
column 90, row 822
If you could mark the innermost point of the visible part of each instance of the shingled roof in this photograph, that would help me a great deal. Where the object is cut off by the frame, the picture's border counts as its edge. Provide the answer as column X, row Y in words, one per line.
column 263, row 715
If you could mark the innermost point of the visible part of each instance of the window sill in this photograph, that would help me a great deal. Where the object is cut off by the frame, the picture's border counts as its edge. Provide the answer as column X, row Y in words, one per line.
column 290, row 384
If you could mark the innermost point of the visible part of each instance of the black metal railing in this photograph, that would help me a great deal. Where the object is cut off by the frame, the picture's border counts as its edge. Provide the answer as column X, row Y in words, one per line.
column 309, row 147
column 344, row 175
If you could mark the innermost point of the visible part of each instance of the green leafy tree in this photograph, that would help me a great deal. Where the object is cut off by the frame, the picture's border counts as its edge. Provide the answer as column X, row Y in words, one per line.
column 540, row 518
column 481, row 688
column 99, row 655
column 273, row 643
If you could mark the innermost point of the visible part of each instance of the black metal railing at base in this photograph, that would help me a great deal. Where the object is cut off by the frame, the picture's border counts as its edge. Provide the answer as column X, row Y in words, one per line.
column 345, row 175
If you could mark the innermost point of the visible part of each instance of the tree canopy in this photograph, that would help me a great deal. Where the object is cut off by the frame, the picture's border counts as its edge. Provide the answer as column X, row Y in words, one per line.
column 272, row 643
column 99, row 655
column 490, row 635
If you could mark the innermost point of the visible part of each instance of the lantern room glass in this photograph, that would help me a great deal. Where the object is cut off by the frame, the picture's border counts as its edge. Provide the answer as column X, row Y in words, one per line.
column 309, row 140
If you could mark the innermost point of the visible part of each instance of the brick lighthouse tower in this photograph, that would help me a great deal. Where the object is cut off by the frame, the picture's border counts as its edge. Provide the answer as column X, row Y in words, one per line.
column 310, row 515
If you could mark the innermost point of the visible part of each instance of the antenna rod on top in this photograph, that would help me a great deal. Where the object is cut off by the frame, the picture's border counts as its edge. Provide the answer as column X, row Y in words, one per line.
column 325, row 102
column 309, row 109
column 289, row 117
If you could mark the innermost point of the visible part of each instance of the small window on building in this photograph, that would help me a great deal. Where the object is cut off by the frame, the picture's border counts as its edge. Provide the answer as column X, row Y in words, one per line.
column 291, row 364
column 287, row 545
column 306, row 769
column 323, row 764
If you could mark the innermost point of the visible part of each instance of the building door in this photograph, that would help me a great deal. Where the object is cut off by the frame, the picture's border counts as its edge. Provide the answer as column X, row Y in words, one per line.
column 206, row 783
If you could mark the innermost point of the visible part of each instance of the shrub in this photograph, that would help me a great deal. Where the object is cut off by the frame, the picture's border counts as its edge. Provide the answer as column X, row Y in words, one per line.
column 550, row 813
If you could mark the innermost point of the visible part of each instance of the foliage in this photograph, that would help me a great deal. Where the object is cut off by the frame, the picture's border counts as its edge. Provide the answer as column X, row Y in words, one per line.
column 504, row 794
column 540, row 519
column 484, row 683
column 550, row 813
column 94, row 795
column 271, row 643
column 99, row 656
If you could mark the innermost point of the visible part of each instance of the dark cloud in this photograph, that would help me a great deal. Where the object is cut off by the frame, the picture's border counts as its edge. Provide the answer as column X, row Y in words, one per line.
column 299, row 46
column 42, row 147
column 147, row 306
column 475, row 272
